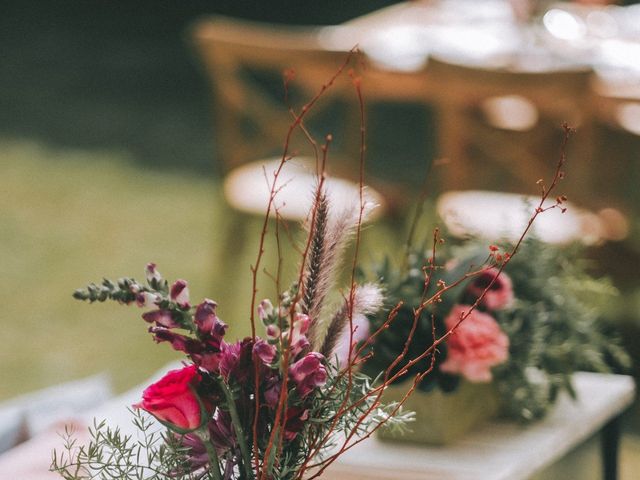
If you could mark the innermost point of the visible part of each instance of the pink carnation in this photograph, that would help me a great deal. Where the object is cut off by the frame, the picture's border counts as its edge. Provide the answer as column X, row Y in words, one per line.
column 477, row 345
column 499, row 295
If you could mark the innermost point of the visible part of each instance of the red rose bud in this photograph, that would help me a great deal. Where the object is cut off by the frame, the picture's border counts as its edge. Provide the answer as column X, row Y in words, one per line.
column 308, row 373
column 151, row 273
column 162, row 318
column 265, row 352
column 180, row 293
column 172, row 400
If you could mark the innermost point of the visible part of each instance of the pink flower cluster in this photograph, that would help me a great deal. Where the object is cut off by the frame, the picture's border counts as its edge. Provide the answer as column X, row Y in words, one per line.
column 182, row 401
column 478, row 343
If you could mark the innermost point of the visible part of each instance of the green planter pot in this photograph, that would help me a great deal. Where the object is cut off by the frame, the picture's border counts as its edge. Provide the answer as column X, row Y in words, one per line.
column 442, row 418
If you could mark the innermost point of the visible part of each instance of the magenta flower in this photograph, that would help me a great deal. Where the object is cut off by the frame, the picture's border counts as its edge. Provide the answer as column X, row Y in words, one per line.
column 272, row 391
column 476, row 346
column 180, row 293
column 500, row 294
column 236, row 360
column 264, row 351
column 273, row 332
column 299, row 339
column 308, row 373
column 295, row 418
column 179, row 342
column 162, row 318
column 210, row 327
column 205, row 316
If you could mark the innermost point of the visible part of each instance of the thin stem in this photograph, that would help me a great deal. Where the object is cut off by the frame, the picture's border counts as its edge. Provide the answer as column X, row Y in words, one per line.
column 237, row 426
column 214, row 470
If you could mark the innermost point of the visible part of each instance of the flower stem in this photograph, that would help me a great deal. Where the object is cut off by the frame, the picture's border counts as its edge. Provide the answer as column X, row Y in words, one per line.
column 211, row 452
column 240, row 436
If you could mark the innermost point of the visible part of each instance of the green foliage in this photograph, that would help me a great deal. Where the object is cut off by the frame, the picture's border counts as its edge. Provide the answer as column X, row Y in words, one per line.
column 554, row 325
column 554, row 328
column 112, row 455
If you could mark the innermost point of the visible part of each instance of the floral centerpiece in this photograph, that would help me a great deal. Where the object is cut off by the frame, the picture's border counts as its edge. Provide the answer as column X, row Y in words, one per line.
column 284, row 404
column 537, row 323
column 281, row 406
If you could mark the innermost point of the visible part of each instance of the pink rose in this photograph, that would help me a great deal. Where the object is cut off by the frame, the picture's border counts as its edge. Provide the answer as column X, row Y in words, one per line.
column 173, row 401
column 499, row 296
column 477, row 345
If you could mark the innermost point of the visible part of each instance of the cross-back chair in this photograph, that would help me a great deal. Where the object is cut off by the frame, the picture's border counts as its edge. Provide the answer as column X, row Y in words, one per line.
column 502, row 126
column 246, row 62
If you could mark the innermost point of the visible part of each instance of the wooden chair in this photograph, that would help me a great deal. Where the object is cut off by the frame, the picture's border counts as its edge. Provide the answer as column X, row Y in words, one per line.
column 501, row 128
column 246, row 61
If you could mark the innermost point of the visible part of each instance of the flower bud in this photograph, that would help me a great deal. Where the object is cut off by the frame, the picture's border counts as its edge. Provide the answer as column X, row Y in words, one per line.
column 146, row 299
column 152, row 274
column 273, row 332
column 162, row 318
column 180, row 293
column 205, row 316
column 265, row 310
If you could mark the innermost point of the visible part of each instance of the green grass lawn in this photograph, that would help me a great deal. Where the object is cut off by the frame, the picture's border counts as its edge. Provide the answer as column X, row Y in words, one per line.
column 70, row 217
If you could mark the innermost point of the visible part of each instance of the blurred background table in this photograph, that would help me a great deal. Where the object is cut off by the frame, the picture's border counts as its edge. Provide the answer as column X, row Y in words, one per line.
column 502, row 83
column 507, row 451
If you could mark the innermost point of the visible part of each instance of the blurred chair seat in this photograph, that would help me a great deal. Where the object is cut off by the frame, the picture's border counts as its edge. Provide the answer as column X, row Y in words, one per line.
column 504, row 216
column 253, row 110
column 248, row 188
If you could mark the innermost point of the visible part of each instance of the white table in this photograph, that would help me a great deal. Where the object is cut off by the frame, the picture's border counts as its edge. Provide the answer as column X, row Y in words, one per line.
column 502, row 450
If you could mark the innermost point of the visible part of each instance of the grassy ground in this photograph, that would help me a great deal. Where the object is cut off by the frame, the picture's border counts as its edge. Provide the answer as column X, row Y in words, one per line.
column 68, row 217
